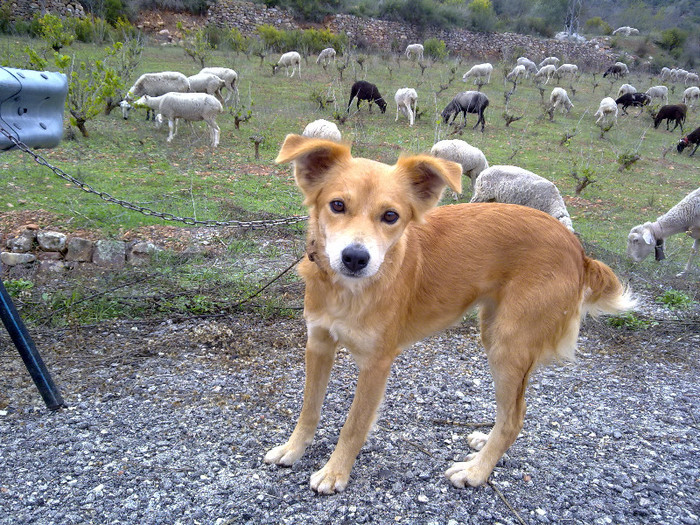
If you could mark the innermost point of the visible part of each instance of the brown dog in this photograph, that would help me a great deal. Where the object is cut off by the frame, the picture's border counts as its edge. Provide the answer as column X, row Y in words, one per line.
column 385, row 268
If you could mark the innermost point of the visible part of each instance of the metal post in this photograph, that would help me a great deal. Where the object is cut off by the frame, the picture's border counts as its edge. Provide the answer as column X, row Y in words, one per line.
column 32, row 360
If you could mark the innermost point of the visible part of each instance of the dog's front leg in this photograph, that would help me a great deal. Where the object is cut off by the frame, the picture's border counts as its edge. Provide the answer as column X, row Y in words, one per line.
column 320, row 354
column 334, row 476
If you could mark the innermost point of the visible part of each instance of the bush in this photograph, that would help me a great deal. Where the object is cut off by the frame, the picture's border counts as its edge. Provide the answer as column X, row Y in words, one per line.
column 597, row 26
column 481, row 16
column 435, row 48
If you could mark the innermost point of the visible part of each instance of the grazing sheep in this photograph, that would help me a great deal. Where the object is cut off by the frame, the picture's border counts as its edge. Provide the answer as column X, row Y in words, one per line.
column 637, row 100
column 547, row 71
column 692, row 138
column 691, row 96
column 678, row 74
column 472, row 160
column 322, row 129
column 230, row 78
column 292, row 58
column 549, row 61
column 364, row 90
column 414, row 50
column 658, row 92
column 325, row 56
column 626, row 31
column 626, row 88
column 514, row 185
column 156, row 84
column 467, row 102
column 406, row 99
column 207, row 83
column 665, row 74
column 516, row 73
column 651, row 236
column 530, row 66
column 617, row 70
column 691, row 78
column 126, row 108
column 479, row 72
column 188, row 106
column 675, row 112
column 566, row 70
column 607, row 107
column 560, row 98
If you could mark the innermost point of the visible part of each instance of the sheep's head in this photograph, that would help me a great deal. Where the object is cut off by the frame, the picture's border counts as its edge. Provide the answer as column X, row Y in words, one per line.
column 142, row 102
column 640, row 242
column 125, row 107
column 382, row 104
column 682, row 144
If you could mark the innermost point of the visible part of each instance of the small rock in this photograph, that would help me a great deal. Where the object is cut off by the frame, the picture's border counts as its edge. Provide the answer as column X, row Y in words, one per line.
column 109, row 254
column 79, row 249
column 13, row 259
column 51, row 241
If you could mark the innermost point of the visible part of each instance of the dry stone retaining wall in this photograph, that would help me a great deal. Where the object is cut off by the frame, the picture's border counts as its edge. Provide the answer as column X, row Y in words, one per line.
column 25, row 9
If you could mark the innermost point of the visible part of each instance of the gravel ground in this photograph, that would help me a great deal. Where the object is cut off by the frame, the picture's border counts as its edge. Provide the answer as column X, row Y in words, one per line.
column 169, row 422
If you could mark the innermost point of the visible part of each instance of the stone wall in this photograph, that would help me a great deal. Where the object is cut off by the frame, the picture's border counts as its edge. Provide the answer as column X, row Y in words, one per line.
column 385, row 35
column 25, row 9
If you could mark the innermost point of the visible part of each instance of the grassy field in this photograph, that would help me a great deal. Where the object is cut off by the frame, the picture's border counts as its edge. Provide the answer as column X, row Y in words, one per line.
column 132, row 161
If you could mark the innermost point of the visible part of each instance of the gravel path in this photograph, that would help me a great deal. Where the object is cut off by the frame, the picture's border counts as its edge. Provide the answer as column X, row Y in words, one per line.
column 168, row 423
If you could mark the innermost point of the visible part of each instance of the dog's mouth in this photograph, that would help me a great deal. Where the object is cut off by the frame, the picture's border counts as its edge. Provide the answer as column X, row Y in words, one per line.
column 354, row 261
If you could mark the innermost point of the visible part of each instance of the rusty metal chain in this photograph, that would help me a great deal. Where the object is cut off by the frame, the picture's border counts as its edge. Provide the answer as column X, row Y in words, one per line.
column 257, row 224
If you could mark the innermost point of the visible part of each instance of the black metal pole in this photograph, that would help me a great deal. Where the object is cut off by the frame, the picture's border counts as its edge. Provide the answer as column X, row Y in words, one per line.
column 25, row 345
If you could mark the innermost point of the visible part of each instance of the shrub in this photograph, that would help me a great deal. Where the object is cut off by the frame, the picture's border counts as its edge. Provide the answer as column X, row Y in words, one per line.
column 675, row 299
column 597, row 26
column 435, row 48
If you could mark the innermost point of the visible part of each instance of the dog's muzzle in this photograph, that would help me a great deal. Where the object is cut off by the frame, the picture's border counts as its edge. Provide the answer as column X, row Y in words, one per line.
column 355, row 259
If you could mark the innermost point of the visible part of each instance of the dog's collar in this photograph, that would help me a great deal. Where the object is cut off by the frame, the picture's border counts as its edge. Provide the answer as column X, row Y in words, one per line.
column 659, row 250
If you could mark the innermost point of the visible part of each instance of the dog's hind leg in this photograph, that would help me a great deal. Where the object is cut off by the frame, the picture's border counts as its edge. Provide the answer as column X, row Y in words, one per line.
column 320, row 354
column 371, row 383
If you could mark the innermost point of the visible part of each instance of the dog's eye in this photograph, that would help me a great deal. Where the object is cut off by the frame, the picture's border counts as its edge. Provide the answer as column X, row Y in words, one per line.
column 337, row 206
column 390, row 217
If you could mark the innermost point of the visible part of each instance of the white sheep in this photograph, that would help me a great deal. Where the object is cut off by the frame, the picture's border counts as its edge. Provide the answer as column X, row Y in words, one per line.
column 516, row 73
column 559, row 98
column 472, row 160
column 691, row 96
column 230, row 78
column 406, row 100
column 607, row 107
column 683, row 217
column 188, row 106
column 155, row 84
column 625, row 89
column 325, row 56
column 529, row 64
column 515, row 185
column 549, row 61
column 415, row 50
column 658, row 92
column 567, row 70
column 207, row 83
column 322, row 129
column 479, row 72
column 623, row 67
column 665, row 74
column 691, row 78
column 678, row 74
column 126, row 108
column 626, row 31
column 291, row 58
column 546, row 71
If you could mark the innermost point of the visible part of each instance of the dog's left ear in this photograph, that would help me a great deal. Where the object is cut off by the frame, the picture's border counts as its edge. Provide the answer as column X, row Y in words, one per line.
column 312, row 159
column 427, row 177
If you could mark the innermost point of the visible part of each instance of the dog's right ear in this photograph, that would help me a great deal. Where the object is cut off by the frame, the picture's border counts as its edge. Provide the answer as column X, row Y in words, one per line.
column 312, row 159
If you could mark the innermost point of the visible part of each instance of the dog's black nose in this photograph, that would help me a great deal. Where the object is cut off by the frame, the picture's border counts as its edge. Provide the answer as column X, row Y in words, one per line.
column 355, row 258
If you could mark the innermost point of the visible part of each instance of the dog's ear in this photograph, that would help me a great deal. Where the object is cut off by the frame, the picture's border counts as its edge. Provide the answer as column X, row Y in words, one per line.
column 312, row 159
column 427, row 177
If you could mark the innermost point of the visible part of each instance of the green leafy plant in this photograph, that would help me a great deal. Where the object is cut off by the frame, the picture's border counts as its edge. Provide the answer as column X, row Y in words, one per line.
column 675, row 299
column 16, row 286
column 630, row 321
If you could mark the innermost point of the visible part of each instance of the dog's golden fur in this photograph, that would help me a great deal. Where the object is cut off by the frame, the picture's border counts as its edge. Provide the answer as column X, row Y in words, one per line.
column 386, row 268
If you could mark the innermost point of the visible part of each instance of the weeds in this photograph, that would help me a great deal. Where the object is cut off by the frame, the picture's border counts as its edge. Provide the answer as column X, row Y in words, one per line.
column 675, row 299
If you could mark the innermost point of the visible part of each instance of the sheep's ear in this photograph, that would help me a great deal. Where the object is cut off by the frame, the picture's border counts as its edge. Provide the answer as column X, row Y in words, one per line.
column 312, row 159
column 427, row 177
column 647, row 236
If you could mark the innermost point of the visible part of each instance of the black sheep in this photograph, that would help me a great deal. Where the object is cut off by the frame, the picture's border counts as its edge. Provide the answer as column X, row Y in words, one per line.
column 616, row 70
column 692, row 138
column 364, row 90
column 467, row 102
column 633, row 99
column 675, row 112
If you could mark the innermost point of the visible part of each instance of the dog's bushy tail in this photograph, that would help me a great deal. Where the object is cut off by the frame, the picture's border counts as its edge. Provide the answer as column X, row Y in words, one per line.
column 603, row 291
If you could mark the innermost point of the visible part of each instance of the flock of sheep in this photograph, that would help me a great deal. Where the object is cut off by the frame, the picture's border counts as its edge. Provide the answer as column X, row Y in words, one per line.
column 173, row 96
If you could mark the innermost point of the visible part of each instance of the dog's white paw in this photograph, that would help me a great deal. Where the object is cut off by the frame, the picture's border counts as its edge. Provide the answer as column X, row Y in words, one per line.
column 329, row 481
column 466, row 473
column 284, row 455
column 477, row 440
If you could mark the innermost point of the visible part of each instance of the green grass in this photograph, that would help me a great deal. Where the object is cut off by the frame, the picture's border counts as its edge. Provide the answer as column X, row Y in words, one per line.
column 131, row 160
